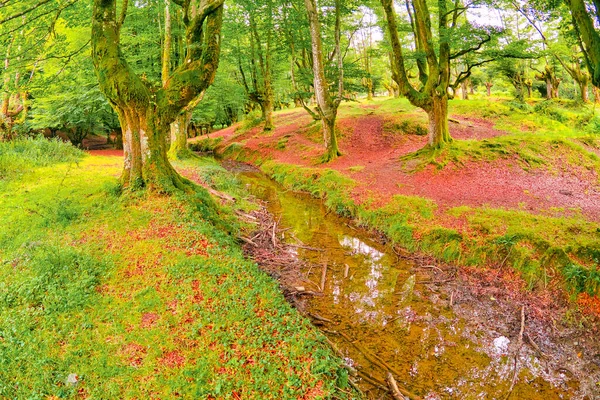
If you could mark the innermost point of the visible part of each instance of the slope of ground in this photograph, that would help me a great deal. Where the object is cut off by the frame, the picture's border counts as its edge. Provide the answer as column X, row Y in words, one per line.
column 374, row 138
column 103, row 296
column 526, row 195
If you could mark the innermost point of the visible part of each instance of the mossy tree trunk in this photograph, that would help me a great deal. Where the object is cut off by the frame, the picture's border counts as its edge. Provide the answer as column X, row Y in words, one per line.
column 178, row 148
column 327, row 105
column 146, row 112
column 439, row 134
column 433, row 66
column 589, row 38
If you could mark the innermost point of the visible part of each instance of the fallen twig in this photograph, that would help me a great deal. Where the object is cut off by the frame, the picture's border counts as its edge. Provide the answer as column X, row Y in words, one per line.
column 249, row 241
column 323, row 277
column 397, row 392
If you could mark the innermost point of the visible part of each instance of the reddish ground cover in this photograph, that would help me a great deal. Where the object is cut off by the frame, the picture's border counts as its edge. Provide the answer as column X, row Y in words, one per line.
column 374, row 153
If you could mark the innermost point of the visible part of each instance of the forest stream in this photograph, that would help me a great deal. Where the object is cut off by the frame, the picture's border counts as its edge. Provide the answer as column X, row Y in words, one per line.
column 388, row 314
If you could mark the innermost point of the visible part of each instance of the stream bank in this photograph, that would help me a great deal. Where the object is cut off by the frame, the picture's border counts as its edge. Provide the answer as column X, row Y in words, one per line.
column 421, row 322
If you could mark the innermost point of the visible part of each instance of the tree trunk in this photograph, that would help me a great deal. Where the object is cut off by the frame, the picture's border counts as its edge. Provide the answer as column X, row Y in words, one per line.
column 327, row 106
column 439, row 134
column 488, row 87
column 179, row 136
column 464, row 90
column 596, row 94
column 549, row 89
column 583, row 89
column 369, row 85
column 330, row 138
column 145, row 151
column 267, row 113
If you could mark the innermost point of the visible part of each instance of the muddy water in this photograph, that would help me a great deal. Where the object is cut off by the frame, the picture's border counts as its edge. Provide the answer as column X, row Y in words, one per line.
column 385, row 314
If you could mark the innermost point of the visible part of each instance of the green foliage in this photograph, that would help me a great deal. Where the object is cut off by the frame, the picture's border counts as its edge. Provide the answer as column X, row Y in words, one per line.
column 77, row 109
column 206, row 145
column 523, row 107
column 21, row 155
column 549, row 109
column 407, row 126
column 252, row 120
column 583, row 279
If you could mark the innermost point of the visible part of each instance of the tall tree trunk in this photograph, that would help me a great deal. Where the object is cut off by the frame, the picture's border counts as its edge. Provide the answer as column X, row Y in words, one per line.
column 464, row 90
column 369, row 88
column 438, row 122
column 588, row 35
column 583, row 90
column 327, row 106
column 432, row 94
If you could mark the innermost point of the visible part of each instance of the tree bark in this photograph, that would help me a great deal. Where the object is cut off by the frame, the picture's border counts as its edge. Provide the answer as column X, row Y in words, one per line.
column 488, row 87
column 439, row 134
column 179, row 136
column 464, row 90
column 583, row 90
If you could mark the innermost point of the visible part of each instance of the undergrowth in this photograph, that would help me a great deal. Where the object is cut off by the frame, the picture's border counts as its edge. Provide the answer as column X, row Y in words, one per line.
column 21, row 155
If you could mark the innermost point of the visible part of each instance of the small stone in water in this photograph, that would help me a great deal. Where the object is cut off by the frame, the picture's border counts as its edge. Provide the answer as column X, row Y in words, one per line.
column 501, row 344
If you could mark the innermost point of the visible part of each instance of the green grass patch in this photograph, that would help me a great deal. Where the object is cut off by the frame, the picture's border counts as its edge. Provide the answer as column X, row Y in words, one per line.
column 206, row 145
column 142, row 296
column 21, row 155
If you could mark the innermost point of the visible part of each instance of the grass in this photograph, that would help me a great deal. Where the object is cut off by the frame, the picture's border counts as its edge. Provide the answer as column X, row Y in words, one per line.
column 141, row 296
column 20, row 156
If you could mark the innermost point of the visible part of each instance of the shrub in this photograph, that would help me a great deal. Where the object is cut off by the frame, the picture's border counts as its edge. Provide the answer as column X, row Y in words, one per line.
column 19, row 156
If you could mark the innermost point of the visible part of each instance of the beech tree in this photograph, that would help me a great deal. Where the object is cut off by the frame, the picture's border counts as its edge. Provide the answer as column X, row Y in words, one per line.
column 145, row 110
column 327, row 105
column 587, row 34
column 252, row 27
column 454, row 39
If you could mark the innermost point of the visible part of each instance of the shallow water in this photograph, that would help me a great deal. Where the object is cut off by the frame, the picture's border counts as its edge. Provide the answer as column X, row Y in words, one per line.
column 383, row 316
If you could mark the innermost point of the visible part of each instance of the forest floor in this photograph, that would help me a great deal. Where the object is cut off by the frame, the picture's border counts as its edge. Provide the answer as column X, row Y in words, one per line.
column 518, row 186
column 373, row 140
column 139, row 296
